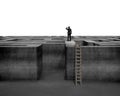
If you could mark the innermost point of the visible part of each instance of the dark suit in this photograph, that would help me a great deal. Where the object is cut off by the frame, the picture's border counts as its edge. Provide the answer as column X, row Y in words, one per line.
column 69, row 33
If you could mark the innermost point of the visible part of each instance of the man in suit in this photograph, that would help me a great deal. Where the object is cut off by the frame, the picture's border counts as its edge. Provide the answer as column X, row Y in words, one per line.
column 69, row 33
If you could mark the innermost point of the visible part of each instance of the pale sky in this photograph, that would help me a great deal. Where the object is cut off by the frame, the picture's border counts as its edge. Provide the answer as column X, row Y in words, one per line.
column 50, row 17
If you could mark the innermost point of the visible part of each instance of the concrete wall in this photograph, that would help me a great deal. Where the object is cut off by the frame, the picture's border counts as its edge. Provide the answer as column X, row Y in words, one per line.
column 70, row 61
column 98, row 63
column 18, row 63
column 39, row 61
column 53, row 61
column 101, row 63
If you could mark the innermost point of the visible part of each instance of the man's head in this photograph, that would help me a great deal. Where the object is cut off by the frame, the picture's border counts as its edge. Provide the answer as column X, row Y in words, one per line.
column 69, row 27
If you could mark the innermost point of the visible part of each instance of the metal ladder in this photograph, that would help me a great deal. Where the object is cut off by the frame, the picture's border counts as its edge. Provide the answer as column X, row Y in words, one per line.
column 78, row 65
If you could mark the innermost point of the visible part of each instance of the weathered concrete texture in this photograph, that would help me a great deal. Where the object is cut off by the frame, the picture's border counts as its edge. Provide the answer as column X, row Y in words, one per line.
column 59, row 88
column 20, row 62
column 53, row 61
column 70, row 60
column 39, row 61
column 21, row 58
column 99, row 63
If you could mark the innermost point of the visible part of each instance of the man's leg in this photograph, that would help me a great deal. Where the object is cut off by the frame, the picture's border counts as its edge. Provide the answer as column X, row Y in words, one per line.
column 70, row 37
column 67, row 37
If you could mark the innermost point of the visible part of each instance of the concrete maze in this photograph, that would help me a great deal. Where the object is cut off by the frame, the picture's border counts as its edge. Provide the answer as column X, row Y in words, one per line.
column 49, row 62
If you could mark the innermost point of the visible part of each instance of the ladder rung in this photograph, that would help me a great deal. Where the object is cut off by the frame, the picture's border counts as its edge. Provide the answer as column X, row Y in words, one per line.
column 78, row 76
column 77, row 46
column 77, row 50
column 78, row 56
column 77, row 59
column 77, row 53
column 78, row 81
column 78, row 62
column 78, row 69
column 77, row 66
column 77, row 72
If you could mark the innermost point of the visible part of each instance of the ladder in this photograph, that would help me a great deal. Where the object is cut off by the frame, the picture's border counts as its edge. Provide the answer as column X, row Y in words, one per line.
column 78, row 63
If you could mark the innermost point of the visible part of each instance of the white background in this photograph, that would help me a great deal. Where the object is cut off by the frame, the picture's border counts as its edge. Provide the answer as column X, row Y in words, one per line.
column 50, row 17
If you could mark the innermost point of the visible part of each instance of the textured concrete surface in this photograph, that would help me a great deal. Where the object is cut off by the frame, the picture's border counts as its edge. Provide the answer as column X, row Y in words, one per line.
column 53, row 61
column 99, row 63
column 70, row 43
column 20, row 62
column 100, row 56
column 70, row 60
column 63, row 88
